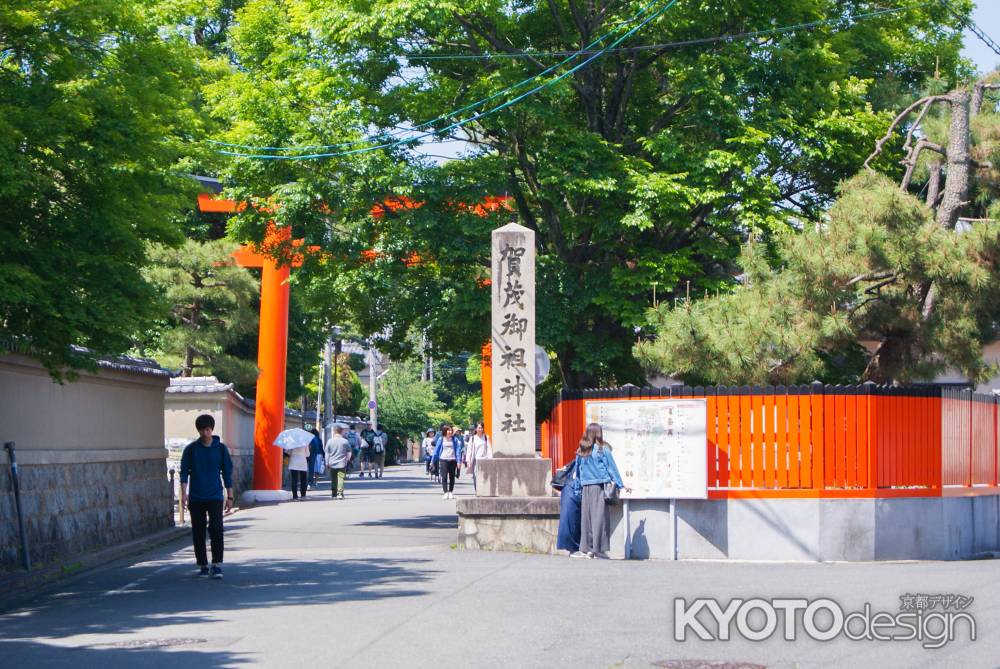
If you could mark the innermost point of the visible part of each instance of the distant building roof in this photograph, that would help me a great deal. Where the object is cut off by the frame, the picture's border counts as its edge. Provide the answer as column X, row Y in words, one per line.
column 198, row 384
column 123, row 363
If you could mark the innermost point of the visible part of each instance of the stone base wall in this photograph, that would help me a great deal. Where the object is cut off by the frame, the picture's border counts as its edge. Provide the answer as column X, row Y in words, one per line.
column 77, row 507
column 524, row 524
column 813, row 530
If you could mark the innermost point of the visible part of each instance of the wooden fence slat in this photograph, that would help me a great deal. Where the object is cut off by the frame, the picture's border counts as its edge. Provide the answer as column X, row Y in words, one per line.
column 768, row 441
column 817, row 441
column 781, row 439
column 758, row 441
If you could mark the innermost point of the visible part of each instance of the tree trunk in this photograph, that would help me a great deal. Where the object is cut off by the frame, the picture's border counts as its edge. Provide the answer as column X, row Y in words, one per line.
column 956, row 185
column 934, row 184
column 188, row 361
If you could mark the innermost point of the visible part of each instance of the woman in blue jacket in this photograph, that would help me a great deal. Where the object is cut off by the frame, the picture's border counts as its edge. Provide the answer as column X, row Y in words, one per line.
column 448, row 451
column 595, row 467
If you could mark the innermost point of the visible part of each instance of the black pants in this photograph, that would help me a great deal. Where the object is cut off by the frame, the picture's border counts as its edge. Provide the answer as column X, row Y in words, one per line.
column 311, row 463
column 299, row 478
column 213, row 511
column 448, row 468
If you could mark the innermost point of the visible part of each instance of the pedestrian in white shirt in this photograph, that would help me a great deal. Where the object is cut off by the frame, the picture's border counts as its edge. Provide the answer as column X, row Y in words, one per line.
column 479, row 448
column 298, row 470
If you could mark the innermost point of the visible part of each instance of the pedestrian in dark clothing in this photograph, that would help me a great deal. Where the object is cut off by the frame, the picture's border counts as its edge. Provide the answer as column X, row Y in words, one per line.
column 315, row 451
column 570, row 496
column 207, row 467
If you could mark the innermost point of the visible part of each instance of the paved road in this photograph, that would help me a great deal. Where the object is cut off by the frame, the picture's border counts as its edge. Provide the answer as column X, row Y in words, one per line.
column 375, row 581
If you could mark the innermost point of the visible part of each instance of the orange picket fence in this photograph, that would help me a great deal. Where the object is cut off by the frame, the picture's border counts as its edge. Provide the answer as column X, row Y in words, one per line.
column 822, row 441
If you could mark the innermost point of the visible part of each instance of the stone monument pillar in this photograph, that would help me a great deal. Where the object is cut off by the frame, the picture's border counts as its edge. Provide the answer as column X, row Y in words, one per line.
column 513, row 507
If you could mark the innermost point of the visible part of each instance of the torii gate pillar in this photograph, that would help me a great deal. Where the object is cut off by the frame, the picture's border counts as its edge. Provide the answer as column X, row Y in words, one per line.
column 272, row 358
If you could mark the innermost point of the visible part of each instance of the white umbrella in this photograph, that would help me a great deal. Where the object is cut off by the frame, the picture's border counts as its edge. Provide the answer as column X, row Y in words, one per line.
column 293, row 438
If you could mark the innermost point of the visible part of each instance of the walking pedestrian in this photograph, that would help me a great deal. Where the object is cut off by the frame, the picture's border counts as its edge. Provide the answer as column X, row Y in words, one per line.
column 479, row 448
column 207, row 469
column 367, row 451
column 427, row 448
column 596, row 467
column 447, row 456
column 315, row 451
column 298, row 470
column 355, row 441
column 338, row 458
column 380, row 442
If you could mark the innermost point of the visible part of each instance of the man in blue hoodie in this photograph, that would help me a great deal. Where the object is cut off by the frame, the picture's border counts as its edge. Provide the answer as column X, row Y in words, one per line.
column 207, row 465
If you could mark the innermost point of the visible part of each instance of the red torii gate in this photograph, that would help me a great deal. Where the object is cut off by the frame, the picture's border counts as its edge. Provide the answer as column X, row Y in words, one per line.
column 272, row 342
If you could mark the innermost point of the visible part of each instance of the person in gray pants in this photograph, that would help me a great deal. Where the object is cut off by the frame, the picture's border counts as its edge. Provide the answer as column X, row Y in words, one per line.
column 338, row 457
column 596, row 468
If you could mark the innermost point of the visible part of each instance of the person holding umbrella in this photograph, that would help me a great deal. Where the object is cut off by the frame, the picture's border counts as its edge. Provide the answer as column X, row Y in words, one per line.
column 296, row 441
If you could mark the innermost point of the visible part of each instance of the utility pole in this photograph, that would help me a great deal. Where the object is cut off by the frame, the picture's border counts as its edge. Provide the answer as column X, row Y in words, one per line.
column 336, row 359
column 302, row 399
column 372, row 404
column 327, row 399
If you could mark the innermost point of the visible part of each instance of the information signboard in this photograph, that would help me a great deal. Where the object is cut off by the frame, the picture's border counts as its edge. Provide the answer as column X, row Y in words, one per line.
column 659, row 445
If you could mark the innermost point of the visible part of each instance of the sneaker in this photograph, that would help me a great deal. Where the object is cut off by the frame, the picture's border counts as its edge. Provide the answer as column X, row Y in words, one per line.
column 444, row 496
column 591, row 555
column 340, row 496
column 203, row 571
column 451, row 495
column 578, row 554
column 216, row 572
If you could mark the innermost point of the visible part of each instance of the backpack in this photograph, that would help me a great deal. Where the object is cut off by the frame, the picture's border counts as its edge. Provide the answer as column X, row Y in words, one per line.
column 378, row 444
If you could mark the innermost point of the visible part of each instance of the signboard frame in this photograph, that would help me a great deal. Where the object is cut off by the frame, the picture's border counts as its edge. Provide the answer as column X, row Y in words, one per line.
column 692, row 429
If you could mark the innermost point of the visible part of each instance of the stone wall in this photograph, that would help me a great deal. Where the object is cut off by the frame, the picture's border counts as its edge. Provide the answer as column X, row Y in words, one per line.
column 90, row 455
column 74, row 508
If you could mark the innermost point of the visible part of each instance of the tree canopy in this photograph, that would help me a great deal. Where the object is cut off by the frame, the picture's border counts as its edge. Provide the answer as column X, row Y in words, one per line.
column 649, row 167
column 96, row 105
column 886, row 269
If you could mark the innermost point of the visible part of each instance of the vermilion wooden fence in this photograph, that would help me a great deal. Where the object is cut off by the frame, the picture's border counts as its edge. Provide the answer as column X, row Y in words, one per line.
column 823, row 441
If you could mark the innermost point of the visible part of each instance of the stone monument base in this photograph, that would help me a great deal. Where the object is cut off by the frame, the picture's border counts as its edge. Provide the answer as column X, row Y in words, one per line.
column 513, row 509
column 251, row 497
column 526, row 524
column 514, row 477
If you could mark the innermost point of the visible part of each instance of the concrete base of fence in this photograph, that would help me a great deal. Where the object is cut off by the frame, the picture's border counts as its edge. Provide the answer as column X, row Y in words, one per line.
column 813, row 530
column 528, row 524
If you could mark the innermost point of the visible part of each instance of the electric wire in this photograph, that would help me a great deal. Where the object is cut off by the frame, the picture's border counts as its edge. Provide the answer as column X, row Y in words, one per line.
column 477, row 116
column 680, row 43
column 571, row 56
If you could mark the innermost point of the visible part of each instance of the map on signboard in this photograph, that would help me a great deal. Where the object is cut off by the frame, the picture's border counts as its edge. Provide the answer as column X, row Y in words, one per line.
column 658, row 445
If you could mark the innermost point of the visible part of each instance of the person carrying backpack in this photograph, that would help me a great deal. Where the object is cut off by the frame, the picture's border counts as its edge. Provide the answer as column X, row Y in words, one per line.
column 367, row 451
column 380, row 443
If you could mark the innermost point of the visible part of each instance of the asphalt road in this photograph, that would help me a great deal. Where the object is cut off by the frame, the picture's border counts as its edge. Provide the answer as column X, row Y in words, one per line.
column 376, row 581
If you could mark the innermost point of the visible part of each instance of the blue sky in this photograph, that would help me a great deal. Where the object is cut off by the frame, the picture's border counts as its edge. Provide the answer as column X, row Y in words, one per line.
column 987, row 15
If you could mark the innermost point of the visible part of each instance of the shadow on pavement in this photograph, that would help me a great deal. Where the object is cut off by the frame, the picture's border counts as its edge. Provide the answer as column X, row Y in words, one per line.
column 40, row 655
column 178, row 597
column 445, row 522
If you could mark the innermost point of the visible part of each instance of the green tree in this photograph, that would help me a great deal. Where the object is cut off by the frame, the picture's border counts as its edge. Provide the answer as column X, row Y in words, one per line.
column 210, row 303
column 97, row 104
column 885, row 268
column 406, row 404
column 648, row 167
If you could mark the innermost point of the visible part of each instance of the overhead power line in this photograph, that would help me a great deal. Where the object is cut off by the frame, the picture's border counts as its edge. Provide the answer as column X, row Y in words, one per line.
column 475, row 117
column 571, row 56
column 973, row 27
column 731, row 37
